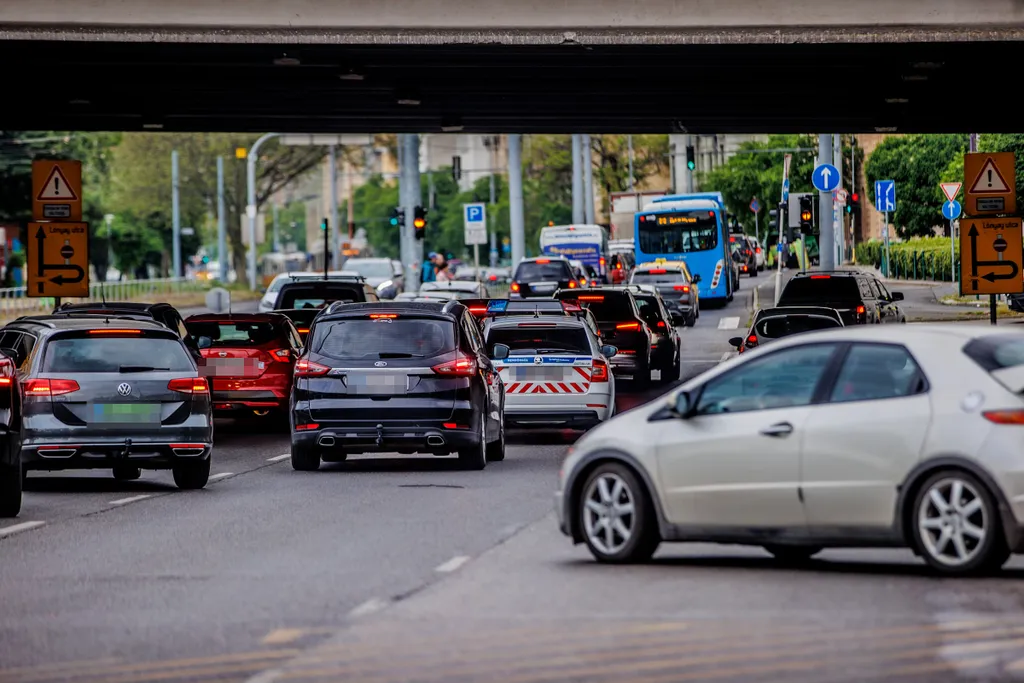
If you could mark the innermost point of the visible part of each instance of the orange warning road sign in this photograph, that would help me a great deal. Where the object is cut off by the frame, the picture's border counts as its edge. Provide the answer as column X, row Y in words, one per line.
column 56, row 190
column 990, row 183
column 57, row 259
column 991, row 251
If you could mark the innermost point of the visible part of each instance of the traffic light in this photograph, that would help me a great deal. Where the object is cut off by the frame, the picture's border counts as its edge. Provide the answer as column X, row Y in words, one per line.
column 773, row 223
column 806, row 213
column 397, row 217
column 419, row 222
column 851, row 202
column 691, row 158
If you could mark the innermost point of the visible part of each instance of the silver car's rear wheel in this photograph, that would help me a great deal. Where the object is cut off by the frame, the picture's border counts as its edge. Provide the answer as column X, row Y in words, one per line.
column 956, row 525
column 616, row 516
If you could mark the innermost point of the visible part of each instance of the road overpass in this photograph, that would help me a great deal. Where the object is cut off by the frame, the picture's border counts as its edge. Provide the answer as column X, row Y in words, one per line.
column 511, row 66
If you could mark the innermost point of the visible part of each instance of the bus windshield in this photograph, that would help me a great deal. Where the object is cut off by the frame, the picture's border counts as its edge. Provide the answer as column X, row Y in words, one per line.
column 679, row 232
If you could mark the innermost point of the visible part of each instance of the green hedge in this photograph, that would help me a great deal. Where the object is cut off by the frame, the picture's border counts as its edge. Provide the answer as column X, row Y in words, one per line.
column 921, row 258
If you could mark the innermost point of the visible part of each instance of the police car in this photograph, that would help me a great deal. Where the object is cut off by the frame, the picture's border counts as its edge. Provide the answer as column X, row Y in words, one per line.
column 557, row 373
column 678, row 288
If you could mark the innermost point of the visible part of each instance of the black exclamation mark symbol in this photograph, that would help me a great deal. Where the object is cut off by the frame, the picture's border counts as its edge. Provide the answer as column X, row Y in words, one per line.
column 56, row 184
column 990, row 177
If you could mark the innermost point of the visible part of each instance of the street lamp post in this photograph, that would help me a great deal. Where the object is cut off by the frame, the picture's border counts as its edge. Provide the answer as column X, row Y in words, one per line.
column 250, row 208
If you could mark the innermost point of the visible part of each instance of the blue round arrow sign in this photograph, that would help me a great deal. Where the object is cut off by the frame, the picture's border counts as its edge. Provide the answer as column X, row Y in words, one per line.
column 825, row 178
column 951, row 210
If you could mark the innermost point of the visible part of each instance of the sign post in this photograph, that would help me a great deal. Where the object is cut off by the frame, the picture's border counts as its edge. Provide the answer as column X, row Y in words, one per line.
column 474, row 220
column 57, row 242
column 991, row 248
column 885, row 201
column 755, row 206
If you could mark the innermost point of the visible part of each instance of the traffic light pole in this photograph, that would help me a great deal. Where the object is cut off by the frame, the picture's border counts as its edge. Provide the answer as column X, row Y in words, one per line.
column 826, row 234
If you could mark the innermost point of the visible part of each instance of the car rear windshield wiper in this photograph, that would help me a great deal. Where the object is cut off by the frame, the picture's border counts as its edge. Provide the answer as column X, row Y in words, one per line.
column 397, row 354
column 140, row 368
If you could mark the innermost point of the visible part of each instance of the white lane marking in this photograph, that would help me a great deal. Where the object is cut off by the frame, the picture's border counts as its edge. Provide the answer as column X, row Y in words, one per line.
column 215, row 477
column 283, row 636
column 452, row 564
column 729, row 323
column 369, row 607
column 268, row 676
column 18, row 528
column 125, row 501
column 279, row 458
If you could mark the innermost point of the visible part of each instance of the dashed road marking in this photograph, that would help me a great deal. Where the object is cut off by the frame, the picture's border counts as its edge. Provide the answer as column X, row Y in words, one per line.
column 125, row 501
column 215, row 477
column 369, row 607
column 283, row 636
column 729, row 323
column 279, row 458
column 18, row 528
column 452, row 564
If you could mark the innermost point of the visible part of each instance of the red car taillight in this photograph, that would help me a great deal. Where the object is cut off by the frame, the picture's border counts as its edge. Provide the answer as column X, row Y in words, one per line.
column 6, row 372
column 283, row 355
column 514, row 286
column 600, row 372
column 189, row 385
column 1005, row 417
column 307, row 368
column 45, row 388
column 463, row 366
column 628, row 326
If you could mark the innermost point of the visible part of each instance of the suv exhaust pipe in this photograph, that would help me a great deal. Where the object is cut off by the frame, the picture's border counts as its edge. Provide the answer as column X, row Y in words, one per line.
column 57, row 451
column 435, row 440
column 326, row 441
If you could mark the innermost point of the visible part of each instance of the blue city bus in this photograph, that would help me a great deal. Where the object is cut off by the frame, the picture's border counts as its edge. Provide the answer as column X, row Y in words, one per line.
column 690, row 228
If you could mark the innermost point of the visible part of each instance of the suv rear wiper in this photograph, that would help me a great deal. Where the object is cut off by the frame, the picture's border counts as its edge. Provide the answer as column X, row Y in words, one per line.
column 139, row 368
column 396, row 354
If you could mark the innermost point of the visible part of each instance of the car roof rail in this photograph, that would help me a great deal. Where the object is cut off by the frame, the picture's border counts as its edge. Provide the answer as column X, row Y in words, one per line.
column 35, row 320
column 451, row 306
column 841, row 271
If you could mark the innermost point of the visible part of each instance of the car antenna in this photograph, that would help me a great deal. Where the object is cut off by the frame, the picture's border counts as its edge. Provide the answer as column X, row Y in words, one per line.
column 103, row 295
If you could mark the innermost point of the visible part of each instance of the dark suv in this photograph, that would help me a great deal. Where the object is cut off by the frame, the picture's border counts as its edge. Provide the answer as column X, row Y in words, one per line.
column 305, row 293
column 10, row 435
column 397, row 376
column 860, row 297
column 622, row 326
column 542, row 277
column 113, row 393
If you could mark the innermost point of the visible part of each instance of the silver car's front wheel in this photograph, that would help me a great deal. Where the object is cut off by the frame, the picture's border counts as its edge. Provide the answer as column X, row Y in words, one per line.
column 956, row 525
column 617, row 520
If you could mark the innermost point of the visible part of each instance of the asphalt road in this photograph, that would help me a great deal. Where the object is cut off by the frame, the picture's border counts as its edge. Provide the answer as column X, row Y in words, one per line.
column 396, row 569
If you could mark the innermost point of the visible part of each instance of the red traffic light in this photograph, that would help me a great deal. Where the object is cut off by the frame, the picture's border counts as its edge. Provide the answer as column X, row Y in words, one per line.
column 854, row 198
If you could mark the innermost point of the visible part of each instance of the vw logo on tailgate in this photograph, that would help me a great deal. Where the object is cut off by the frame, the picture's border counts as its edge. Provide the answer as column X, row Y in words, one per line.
column 124, row 389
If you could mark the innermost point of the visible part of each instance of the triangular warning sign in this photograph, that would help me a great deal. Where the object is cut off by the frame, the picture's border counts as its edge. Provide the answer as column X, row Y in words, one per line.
column 57, row 187
column 951, row 190
column 989, row 181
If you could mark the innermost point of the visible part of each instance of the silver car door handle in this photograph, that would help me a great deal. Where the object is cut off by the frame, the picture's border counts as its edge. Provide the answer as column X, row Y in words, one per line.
column 780, row 429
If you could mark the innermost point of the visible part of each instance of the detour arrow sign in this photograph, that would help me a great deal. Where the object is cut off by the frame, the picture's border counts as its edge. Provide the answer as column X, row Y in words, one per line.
column 991, row 251
column 57, row 262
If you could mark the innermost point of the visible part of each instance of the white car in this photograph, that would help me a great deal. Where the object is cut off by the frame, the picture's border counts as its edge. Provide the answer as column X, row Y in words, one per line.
column 857, row 437
column 556, row 374
column 269, row 297
column 758, row 252
column 454, row 289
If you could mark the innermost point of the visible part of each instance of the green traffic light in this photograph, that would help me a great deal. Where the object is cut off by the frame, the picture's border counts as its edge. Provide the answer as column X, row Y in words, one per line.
column 690, row 165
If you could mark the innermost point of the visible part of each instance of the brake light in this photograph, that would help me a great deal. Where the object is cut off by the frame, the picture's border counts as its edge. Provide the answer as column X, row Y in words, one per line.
column 478, row 310
column 1005, row 417
column 463, row 366
column 618, row 266
column 752, row 339
column 283, row 355
column 600, row 372
column 583, row 281
column 453, row 425
column 307, row 368
column 628, row 326
column 661, row 323
column 681, row 288
column 6, row 372
column 514, row 286
column 189, row 385
column 590, row 297
column 307, row 427
column 385, row 316
column 46, row 388
column 105, row 330
column 758, row 250
column 861, row 310
column 543, row 260
column 302, row 330
column 493, row 278
column 572, row 284
column 821, row 277
column 657, row 271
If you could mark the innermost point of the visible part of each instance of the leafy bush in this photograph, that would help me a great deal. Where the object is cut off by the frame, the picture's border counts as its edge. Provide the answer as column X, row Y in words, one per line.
column 922, row 258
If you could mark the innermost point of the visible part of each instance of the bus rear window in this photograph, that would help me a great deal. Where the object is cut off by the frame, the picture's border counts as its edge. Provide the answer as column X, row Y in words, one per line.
column 679, row 232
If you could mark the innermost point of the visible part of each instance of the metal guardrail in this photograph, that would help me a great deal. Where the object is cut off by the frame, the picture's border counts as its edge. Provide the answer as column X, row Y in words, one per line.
column 14, row 302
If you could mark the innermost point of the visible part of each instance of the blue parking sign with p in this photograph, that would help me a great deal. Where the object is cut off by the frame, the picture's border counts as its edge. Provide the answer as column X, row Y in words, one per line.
column 474, row 213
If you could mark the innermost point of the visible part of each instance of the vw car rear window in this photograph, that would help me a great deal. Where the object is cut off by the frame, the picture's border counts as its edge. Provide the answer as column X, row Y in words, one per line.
column 527, row 342
column 384, row 338
column 113, row 354
column 234, row 333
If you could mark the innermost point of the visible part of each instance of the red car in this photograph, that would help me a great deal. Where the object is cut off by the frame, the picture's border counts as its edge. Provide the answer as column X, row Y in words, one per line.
column 250, row 358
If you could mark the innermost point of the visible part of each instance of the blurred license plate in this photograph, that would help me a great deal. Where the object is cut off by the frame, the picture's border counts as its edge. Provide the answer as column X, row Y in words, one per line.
column 539, row 373
column 543, row 288
column 234, row 367
column 376, row 383
column 126, row 413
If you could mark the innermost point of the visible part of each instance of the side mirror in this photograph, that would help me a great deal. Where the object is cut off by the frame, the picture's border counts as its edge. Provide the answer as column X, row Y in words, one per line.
column 696, row 278
column 897, row 296
column 683, row 404
column 609, row 351
column 737, row 342
column 500, row 352
column 205, row 342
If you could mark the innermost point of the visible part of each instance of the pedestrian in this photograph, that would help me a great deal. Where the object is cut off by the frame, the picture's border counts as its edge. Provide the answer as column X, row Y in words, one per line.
column 429, row 272
column 444, row 273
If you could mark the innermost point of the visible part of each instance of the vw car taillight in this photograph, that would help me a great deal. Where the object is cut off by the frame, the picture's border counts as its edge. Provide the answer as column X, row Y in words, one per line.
column 463, row 366
column 46, row 388
column 600, row 372
column 189, row 385
column 307, row 368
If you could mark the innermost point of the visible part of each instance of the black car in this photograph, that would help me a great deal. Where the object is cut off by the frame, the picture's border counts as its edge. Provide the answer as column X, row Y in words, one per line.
column 622, row 326
column 397, row 376
column 305, row 293
column 860, row 297
column 770, row 324
column 10, row 439
column 116, row 394
column 302, row 318
column 678, row 288
column 164, row 313
column 542, row 277
column 744, row 254
column 667, row 354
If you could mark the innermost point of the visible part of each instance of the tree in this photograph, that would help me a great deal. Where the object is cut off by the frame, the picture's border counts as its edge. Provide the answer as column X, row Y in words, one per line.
column 918, row 163
column 142, row 181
